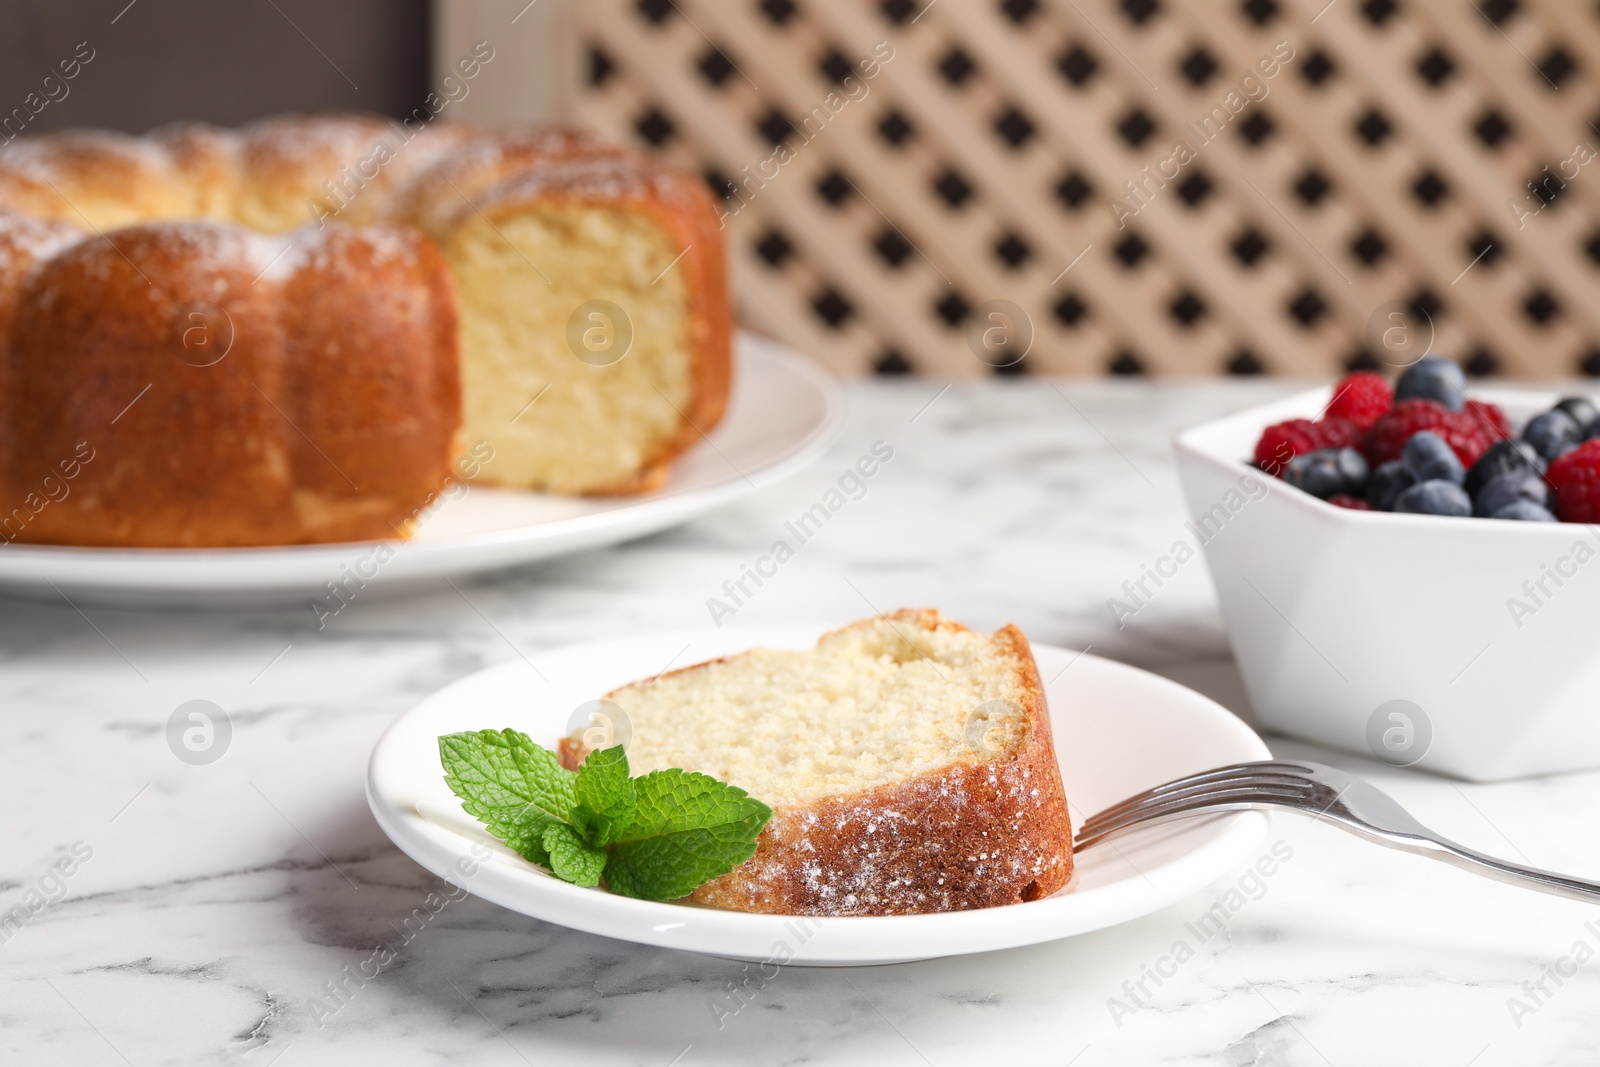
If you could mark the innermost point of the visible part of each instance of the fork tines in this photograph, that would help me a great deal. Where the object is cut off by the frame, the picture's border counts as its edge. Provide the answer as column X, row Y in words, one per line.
column 1231, row 788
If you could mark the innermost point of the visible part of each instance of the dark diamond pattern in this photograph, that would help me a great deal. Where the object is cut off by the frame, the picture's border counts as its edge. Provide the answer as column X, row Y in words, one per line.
column 1498, row 11
column 953, row 309
column 715, row 66
column 1318, row 68
column 1369, row 247
column 1073, row 189
column 952, row 187
column 832, row 307
column 1425, row 305
column 1260, row 12
column 891, row 363
column 1070, row 309
column 1194, row 189
column 775, row 126
column 1379, row 12
column 1492, row 128
column 1015, row 127
column 1430, row 188
column 1198, row 66
column 1244, row 364
column 1077, row 64
column 1140, row 11
column 654, row 127
column 957, row 66
column 1136, row 127
column 1374, row 127
column 1547, row 186
column 895, row 128
column 654, row 12
column 1131, row 250
column 1361, row 359
column 1312, row 187
column 1187, row 308
column 1126, row 364
column 1557, row 66
column 601, row 67
column 836, row 67
column 775, row 248
column 892, row 247
column 1257, row 128
column 778, row 12
column 897, row 11
column 1541, row 307
column 720, row 183
column 1482, row 363
column 1020, row 11
column 1308, row 307
column 1435, row 67
column 1013, row 251
column 1483, row 248
column 834, row 187
column 1250, row 246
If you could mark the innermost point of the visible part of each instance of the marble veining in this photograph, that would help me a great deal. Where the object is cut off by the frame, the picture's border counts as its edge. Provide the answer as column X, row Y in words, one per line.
column 226, row 913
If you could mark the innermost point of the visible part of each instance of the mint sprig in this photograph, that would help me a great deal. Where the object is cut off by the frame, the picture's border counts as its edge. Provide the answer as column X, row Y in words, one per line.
column 656, row 837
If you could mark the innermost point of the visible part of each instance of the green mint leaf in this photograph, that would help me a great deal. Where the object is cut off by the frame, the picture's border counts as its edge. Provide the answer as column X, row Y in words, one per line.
column 571, row 859
column 687, row 829
column 511, row 785
column 605, row 794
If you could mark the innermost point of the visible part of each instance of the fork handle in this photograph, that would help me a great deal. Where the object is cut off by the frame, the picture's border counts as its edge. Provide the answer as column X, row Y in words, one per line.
column 1467, row 859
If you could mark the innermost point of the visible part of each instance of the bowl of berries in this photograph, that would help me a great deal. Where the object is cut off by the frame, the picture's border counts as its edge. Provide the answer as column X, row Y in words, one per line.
column 1403, row 569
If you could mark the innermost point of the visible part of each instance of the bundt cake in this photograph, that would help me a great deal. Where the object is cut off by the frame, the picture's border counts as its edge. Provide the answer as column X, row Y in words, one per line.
column 287, row 333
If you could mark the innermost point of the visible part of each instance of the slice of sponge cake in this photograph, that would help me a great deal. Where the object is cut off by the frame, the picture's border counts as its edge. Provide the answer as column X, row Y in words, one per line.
column 908, row 762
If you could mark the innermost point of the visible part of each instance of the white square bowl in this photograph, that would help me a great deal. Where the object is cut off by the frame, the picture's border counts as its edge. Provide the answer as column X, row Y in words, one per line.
column 1419, row 639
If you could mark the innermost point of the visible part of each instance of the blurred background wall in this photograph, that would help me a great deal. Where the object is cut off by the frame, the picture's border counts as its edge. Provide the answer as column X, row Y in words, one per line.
column 1112, row 186
column 1278, row 186
column 224, row 61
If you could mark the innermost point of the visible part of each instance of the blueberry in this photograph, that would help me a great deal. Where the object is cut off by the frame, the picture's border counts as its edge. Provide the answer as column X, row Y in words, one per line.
column 1433, row 378
column 1525, row 511
column 1551, row 433
column 1435, row 498
column 1501, row 458
column 1582, row 409
column 1388, row 482
column 1317, row 473
column 1427, row 458
column 1509, row 488
column 1353, row 469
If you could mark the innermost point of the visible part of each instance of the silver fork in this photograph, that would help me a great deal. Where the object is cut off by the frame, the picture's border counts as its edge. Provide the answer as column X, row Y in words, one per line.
column 1321, row 792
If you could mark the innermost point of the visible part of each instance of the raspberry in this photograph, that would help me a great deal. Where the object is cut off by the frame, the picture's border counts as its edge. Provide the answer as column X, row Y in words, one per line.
column 1493, row 420
column 1360, row 397
column 1461, row 430
column 1338, row 433
column 1354, row 503
column 1576, row 477
column 1282, row 442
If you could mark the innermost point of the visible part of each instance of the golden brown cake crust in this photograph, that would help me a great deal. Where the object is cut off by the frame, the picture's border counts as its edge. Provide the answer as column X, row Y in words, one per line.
column 329, row 413
column 976, row 834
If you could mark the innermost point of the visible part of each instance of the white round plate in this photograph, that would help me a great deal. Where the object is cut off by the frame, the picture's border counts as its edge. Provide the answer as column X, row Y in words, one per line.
column 783, row 413
column 1118, row 730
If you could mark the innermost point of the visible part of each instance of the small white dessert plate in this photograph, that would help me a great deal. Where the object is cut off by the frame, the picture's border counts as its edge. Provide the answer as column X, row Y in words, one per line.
column 783, row 413
column 1118, row 730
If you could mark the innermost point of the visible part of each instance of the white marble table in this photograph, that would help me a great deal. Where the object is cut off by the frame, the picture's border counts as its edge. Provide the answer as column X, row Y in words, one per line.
column 209, row 906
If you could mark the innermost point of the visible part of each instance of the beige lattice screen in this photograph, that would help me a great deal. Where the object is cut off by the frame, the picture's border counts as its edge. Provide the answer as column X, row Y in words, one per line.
column 1400, row 155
